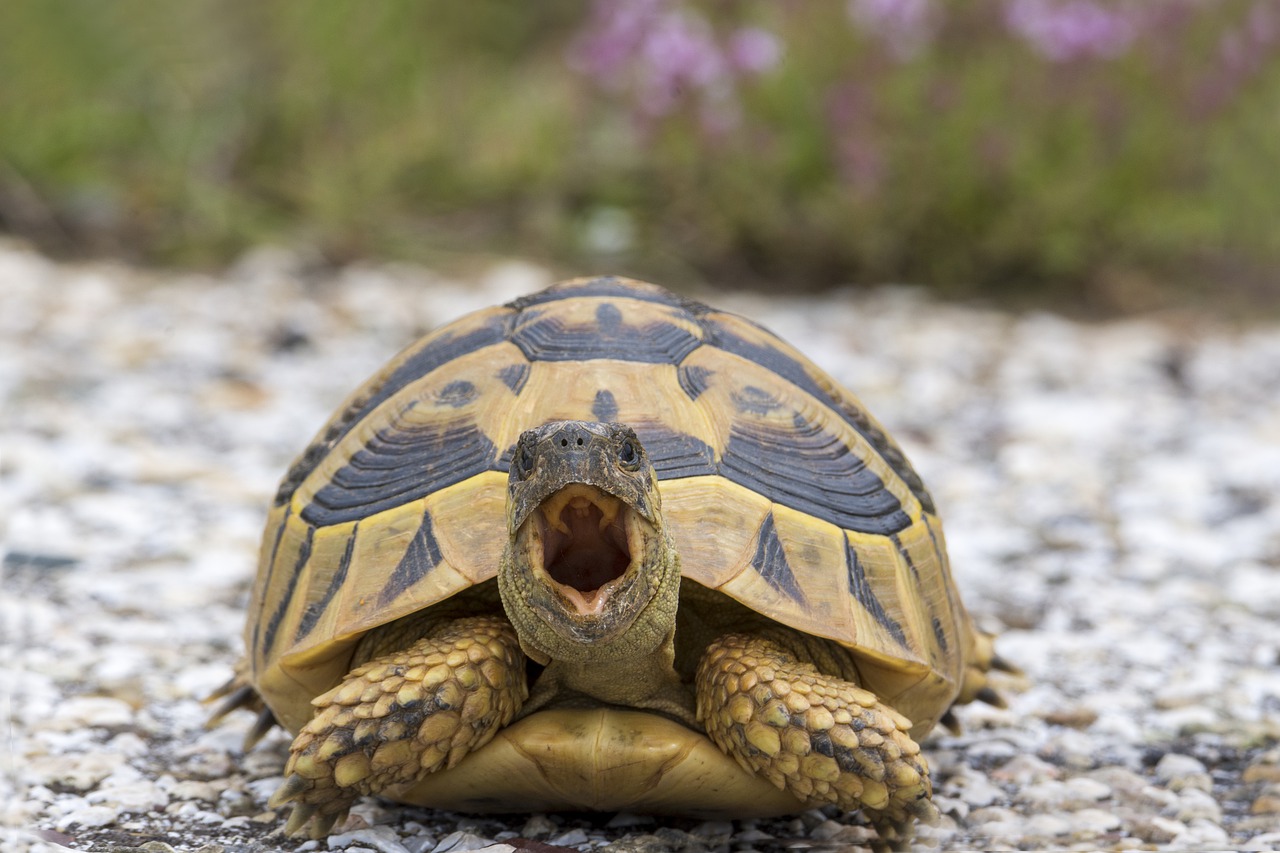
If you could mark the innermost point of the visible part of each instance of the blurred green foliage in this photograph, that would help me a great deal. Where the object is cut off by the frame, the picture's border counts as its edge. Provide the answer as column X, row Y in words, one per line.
column 187, row 132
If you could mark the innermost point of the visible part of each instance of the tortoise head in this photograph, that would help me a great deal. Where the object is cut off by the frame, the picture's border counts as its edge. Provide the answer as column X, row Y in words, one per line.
column 586, row 554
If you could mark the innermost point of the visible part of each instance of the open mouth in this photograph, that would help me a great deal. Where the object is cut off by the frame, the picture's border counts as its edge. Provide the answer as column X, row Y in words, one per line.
column 587, row 544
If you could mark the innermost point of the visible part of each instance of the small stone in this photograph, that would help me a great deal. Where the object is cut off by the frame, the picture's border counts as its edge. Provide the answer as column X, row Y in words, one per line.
column 1082, row 790
column 90, row 817
column 1077, row 717
column 139, row 797
column 1047, row 826
column 1180, row 771
column 1090, row 823
column 714, row 831
column 1267, row 841
column 827, row 830
column 750, row 835
column 1025, row 769
column 80, row 772
column 1261, row 772
column 1118, row 780
column 1266, row 804
column 570, row 838
column 460, row 842
column 91, row 712
column 644, row 844
column 538, row 826
column 1205, row 835
column 1157, row 830
column 974, row 789
column 383, row 839
column 1195, row 804
column 1173, row 765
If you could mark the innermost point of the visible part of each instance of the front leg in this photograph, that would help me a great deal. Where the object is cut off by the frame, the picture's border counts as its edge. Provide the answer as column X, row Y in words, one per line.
column 822, row 738
column 402, row 715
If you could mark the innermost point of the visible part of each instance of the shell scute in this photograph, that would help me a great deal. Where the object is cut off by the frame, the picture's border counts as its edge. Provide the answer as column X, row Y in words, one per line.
column 451, row 342
column 598, row 328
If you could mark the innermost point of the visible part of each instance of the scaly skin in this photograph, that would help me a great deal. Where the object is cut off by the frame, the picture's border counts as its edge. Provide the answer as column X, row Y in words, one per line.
column 820, row 737
column 402, row 715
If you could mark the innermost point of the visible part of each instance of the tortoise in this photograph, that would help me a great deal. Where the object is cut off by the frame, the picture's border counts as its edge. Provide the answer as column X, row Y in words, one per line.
column 606, row 548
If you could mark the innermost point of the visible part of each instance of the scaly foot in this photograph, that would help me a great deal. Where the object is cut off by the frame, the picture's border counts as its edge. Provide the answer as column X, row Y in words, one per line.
column 822, row 738
column 402, row 715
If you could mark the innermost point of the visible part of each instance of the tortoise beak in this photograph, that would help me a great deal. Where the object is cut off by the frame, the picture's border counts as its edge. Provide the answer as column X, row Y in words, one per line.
column 590, row 541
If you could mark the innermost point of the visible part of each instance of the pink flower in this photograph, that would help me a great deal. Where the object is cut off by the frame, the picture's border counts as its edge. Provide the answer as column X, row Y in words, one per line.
column 1064, row 30
column 664, row 54
column 753, row 50
column 905, row 26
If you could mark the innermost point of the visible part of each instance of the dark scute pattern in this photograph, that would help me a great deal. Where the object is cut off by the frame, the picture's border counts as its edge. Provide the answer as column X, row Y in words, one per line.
column 787, row 367
column 266, row 583
column 770, row 562
column 693, row 380
column 811, row 470
column 422, row 556
column 752, row 400
column 939, row 634
column 605, row 407
column 514, row 376
column 458, row 393
column 820, row 742
column 400, row 465
column 603, row 286
column 550, row 339
column 273, row 624
column 315, row 608
column 906, row 557
column 675, row 454
column 866, row 596
column 609, row 318
column 443, row 349
column 889, row 451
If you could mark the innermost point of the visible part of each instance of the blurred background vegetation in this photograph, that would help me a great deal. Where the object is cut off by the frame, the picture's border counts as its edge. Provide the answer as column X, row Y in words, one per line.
column 1105, row 155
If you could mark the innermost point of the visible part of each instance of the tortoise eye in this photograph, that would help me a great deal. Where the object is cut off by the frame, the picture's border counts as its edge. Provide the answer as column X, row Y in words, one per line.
column 629, row 455
column 523, row 460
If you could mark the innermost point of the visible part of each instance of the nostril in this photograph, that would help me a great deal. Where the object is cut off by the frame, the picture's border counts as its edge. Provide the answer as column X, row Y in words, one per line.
column 564, row 442
column 579, row 442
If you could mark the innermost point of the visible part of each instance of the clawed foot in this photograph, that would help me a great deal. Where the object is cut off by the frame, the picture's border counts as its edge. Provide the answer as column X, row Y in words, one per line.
column 822, row 738
column 401, row 716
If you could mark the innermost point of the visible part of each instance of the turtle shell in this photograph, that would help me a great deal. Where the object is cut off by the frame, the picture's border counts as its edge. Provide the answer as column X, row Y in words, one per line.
column 778, row 488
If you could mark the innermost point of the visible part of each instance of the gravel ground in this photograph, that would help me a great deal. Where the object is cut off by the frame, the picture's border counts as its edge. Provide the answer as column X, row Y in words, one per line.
column 1109, row 492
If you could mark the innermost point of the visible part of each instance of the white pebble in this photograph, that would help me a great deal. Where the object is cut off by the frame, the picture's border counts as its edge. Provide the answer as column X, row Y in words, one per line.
column 91, row 712
column 383, row 839
column 1082, row 790
column 1025, row 769
column 570, row 838
column 1158, row 830
column 79, row 772
column 1195, row 804
column 90, row 817
column 1044, row 826
column 1173, row 765
column 139, row 797
column 1206, row 835
column 1267, row 841
column 1089, row 823
column 462, row 842
column 538, row 826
